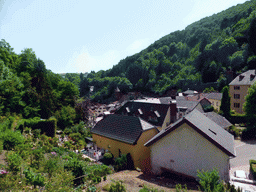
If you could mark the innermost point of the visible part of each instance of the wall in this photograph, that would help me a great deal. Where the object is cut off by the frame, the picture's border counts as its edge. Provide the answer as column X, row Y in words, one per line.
column 140, row 154
column 215, row 103
column 243, row 92
column 167, row 120
column 186, row 151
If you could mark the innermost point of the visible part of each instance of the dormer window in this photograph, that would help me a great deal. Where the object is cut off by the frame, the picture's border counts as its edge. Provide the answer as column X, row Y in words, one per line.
column 241, row 77
column 157, row 114
column 252, row 77
column 140, row 111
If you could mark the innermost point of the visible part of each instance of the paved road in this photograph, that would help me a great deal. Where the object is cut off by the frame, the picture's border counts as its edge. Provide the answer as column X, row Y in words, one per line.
column 244, row 152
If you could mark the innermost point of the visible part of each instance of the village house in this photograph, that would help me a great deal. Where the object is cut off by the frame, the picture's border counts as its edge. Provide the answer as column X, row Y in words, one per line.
column 121, row 134
column 159, row 112
column 238, row 89
column 192, row 143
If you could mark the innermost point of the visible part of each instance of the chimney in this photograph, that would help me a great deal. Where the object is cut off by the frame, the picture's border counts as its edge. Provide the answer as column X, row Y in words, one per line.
column 173, row 110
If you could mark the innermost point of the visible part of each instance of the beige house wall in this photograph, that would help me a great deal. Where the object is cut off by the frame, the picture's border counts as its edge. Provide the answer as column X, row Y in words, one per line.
column 215, row 103
column 243, row 92
column 185, row 151
column 140, row 154
column 167, row 120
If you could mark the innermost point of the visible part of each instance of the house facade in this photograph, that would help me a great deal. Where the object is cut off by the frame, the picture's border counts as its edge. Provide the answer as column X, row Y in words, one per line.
column 238, row 89
column 125, row 134
column 192, row 143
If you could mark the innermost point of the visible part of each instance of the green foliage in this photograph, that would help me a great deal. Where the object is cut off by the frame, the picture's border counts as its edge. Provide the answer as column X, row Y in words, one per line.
column 11, row 139
column 179, row 188
column 65, row 117
column 33, row 178
column 14, row 162
column 234, row 131
column 208, row 108
column 47, row 126
column 253, row 167
column 225, row 102
column 210, row 181
column 249, row 105
column 147, row 189
column 117, row 186
column 121, row 163
column 108, row 159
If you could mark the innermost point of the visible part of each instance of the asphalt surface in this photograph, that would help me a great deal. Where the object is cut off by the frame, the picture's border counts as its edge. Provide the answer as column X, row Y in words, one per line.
column 244, row 152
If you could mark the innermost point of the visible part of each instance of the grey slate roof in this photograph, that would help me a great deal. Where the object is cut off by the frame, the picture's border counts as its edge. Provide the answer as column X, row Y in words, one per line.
column 204, row 126
column 126, row 129
column 148, row 108
column 214, row 95
column 246, row 80
column 220, row 120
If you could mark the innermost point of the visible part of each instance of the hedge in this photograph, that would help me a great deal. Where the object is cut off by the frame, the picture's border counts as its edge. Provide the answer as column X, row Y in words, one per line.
column 47, row 126
column 237, row 118
column 253, row 168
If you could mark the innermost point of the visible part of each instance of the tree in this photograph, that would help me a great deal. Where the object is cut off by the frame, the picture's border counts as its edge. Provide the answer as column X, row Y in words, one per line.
column 210, row 181
column 252, row 38
column 249, row 106
column 225, row 102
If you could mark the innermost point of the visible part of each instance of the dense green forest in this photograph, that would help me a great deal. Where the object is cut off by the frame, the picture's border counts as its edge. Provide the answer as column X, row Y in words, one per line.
column 203, row 52
column 27, row 88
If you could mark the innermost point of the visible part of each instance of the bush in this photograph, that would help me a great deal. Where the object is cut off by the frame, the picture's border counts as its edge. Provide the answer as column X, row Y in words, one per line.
column 11, row 139
column 208, row 108
column 210, row 181
column 237, row 118
column 14, row 162
column 48, row 126
column 108, row 159
column 117, row 186
column 253, row 167
column 249, row 133
column 234, row 131
column 120, row 163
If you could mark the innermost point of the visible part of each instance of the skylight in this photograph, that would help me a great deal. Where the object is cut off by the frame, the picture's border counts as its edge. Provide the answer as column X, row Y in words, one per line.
column 140, row 111
column 157, row 114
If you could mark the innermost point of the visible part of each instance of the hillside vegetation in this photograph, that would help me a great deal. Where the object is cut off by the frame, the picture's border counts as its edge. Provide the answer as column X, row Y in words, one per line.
column 203, row 52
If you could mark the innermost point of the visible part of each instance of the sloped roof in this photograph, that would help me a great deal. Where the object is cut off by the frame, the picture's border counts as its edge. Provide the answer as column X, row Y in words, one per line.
column 245, row 80
column 148, row 108
column 214, row 95
column 220, row 120
column 126, row 129
column 204, row 126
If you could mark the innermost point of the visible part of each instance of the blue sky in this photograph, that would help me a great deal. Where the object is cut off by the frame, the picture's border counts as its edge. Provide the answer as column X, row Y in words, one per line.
column 82, row 35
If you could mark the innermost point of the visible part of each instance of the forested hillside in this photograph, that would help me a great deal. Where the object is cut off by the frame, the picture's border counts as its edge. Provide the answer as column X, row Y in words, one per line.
column 28, row 88
column 203, row 52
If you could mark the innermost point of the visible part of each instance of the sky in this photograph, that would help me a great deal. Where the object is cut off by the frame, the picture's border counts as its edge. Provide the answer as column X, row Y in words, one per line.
column 84, row 35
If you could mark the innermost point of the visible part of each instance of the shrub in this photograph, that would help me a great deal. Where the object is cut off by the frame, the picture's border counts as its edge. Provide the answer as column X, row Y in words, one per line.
column 179, row 188
column 14, row 162
column 210, row 181
column 11, row 139
column 108, row 158
column 234, row 131
column 253, row 167
column 120, row 163
column 48, row 126
column 117, row 186
column 208, row 108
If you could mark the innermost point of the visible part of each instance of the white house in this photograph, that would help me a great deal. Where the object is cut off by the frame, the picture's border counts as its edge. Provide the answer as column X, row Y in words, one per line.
column 192, row 143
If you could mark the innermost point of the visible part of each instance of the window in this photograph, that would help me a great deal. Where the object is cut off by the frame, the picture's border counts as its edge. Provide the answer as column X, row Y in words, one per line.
column 237, row 105
column 236, row 87
column 236, row 96
column 213, row 103
column 217, row 103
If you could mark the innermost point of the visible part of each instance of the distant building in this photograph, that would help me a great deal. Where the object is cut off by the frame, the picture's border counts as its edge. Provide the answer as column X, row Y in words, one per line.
column 238, row 89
